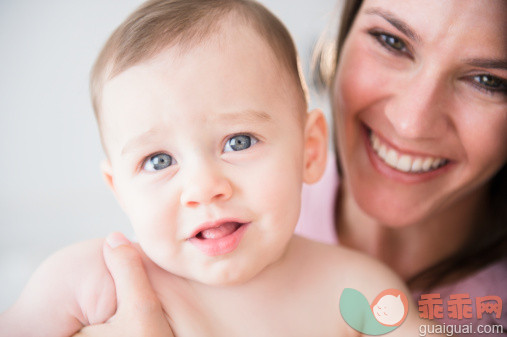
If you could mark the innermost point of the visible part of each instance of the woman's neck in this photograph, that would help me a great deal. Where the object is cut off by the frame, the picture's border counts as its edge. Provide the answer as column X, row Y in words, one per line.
column 411, row 249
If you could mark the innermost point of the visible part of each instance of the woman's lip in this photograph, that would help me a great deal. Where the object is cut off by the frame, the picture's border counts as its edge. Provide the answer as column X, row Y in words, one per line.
column 389, row 172
column 222, row 245
column 398, row 149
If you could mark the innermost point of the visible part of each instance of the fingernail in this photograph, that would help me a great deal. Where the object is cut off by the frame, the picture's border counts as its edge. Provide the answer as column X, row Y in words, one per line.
column 117, row 239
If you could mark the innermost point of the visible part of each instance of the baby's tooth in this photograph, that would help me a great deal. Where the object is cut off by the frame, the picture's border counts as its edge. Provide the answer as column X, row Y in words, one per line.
column 426, row 165
column 436, row 163
column 392, row 158
column 404, row 163
column 417, row 165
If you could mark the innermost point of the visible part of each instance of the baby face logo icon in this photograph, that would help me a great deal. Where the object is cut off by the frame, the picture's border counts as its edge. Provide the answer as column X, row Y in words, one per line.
column 390, row 307
column 387, row 311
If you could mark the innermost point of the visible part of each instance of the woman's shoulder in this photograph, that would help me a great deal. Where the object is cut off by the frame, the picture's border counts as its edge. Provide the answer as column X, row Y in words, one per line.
column 486, row 288
column 490, row 279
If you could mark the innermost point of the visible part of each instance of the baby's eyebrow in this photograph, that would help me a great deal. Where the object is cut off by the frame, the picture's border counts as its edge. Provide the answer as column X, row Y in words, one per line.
column 143, row 138
column 249, row 116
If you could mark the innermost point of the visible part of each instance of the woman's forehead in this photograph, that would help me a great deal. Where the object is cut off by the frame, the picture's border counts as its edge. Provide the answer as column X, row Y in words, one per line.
column 464, row 29
column 436, row 18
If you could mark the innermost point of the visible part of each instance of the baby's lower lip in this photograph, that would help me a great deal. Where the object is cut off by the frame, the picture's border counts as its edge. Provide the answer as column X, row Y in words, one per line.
column 216, row 242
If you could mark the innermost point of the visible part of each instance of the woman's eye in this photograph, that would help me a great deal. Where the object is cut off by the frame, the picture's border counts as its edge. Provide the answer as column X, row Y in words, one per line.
column 490, row 83
column 391, row 42
column 239, row 143
column 158, row 162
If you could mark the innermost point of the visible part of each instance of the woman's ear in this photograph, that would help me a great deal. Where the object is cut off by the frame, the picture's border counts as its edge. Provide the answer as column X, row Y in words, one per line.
column 315, row 146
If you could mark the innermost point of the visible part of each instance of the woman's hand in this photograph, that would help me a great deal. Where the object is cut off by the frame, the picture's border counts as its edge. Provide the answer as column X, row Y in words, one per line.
column 139, row 312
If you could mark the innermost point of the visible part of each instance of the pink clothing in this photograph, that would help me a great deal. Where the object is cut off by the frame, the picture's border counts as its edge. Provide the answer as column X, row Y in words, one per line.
column 317, row 222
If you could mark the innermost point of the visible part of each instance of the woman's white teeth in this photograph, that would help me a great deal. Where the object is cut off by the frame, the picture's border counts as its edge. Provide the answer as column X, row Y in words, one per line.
column 404, row 162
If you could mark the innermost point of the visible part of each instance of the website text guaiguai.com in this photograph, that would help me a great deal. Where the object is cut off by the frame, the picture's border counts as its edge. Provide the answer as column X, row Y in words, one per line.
column 452, row 329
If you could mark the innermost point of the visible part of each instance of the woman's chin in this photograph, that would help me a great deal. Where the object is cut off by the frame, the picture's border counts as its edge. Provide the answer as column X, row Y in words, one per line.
column 394, row 211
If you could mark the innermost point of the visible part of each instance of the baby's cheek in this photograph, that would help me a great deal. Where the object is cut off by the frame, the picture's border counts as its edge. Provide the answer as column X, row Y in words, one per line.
column 279, row 194
column 150, row 216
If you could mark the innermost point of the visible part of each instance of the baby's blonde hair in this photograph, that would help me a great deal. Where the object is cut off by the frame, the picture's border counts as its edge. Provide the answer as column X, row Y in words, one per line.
column 158, row 24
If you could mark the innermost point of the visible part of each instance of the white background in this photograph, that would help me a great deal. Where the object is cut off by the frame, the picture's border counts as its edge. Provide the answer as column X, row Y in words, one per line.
column 51, row 190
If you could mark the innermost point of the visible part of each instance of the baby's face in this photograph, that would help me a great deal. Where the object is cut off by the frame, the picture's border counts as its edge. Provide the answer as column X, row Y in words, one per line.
column 206, row 157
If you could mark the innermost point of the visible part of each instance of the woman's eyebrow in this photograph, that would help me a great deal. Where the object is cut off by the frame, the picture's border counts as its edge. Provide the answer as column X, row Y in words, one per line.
column 487, row 63
column 395, row 21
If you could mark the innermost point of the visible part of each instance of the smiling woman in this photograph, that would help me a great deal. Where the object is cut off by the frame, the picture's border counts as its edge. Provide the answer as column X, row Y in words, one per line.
column 421, row 125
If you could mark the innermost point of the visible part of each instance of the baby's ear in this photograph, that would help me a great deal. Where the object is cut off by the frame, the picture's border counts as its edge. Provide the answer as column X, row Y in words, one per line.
column 107, row 174
column 315, row 146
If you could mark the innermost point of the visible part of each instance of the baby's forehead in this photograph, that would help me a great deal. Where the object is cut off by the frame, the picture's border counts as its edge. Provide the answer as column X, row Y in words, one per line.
column 236, row 44
column 234, row 71
column 230, row 35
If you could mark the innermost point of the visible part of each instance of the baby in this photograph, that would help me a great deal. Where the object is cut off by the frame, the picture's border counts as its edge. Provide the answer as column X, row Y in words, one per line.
column 203, row 117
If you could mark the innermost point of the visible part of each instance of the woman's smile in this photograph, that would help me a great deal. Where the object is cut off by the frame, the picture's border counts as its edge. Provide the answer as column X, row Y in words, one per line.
column 408, row 166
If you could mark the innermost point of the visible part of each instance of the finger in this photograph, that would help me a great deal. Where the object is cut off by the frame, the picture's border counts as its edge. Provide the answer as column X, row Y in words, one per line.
column 134, row 292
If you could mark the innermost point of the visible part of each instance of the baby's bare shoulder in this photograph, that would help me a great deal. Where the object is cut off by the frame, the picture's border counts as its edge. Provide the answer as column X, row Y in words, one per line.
column 82, row 267
column 70, row 289
column 346, row 268
column 80, row 270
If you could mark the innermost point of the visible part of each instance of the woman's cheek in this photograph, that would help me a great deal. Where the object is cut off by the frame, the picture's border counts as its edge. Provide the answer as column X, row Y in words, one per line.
column 365, row 74
column 486, row 152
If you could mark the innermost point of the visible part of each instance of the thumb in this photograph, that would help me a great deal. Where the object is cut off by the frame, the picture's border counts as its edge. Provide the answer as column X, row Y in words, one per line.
column 134, row 293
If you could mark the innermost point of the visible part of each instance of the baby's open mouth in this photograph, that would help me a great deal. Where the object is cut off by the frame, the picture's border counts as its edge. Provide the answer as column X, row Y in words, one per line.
column 219, row 237
column 219, row 231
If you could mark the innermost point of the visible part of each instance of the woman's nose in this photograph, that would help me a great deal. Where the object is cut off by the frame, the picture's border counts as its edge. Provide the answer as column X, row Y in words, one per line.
column 205, row 184
column 419, row 108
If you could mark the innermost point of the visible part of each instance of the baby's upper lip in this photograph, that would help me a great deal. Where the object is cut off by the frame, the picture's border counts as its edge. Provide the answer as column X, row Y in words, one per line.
column 215, row 223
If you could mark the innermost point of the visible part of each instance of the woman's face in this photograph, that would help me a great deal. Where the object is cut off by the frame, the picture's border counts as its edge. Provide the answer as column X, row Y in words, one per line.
column 420, row 99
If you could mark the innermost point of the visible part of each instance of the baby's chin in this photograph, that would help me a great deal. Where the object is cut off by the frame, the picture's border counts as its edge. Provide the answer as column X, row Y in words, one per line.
column 213, row 275
column 227, row 277
column 229, row 271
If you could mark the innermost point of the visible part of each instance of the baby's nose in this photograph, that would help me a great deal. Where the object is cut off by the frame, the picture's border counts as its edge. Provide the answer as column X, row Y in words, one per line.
column 205, row 185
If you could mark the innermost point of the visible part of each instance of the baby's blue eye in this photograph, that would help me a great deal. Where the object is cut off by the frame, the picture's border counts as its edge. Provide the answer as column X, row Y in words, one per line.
column 158, row 162
column 239, row 143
